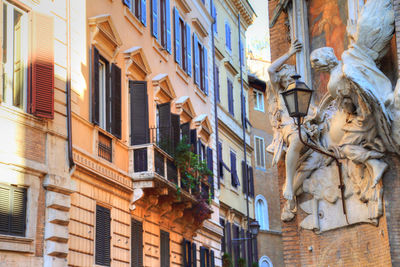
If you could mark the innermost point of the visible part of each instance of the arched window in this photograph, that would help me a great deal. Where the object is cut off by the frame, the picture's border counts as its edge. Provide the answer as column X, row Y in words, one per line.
column 265, row 262
column 262, row 212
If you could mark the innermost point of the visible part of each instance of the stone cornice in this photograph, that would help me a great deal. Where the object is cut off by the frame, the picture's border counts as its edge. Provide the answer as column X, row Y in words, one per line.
column 246, row 11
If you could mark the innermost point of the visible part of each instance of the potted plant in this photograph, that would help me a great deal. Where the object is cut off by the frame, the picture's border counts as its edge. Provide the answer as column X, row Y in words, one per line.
column 226, row 260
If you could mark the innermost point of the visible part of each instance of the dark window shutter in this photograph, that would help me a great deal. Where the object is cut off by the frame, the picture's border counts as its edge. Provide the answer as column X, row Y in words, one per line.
column 255, row 249
column 176, row 132
column 202, row 257
column 143, row 17
column 189, row 50
column 242, row 244
column 223, row 238
column 212, row 258
column 251, row 177
column 217, row 83
column 177, row 30
column 154, row 18
column 164, row 113
column 164, row 242
column 214, row 15
column 196, row 59
column 186, row 131
column 230, row 98
column 193, row 140
column 168, row 25
column 236, row 245
column 229, row 237
column 127, row 3
column 220, row 165
column 103, row 236
column 116, row 100
column 42, row 88
column 95, row 86
column 139, row 113
column 210, row 167
column 194, row 255
column 12, row 210
column 205, row 56
column 136, row 243
column 186, row 252
column 234, row 181
column 249, row 243
column 244, row 177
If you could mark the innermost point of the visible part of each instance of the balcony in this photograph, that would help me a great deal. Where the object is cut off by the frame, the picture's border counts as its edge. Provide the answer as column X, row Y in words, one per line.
column 155, row 175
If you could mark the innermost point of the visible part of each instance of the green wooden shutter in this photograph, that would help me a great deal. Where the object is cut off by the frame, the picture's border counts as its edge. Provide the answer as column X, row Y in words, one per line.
column 136, row 243
column 164, row 251
column 12, row 210
column 103, row 236
column 139, row 113
column 116, row 100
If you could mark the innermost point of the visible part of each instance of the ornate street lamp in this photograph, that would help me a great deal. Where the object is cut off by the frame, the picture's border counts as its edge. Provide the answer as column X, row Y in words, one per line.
column 297, row 97
column 254, row 228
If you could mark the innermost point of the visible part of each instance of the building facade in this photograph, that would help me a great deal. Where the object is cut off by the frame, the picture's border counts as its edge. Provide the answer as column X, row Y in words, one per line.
column 266, row 188
column 232, row 19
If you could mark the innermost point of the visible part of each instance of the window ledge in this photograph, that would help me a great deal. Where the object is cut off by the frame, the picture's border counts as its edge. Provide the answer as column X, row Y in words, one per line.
column 260, row 110
column 234, row 190
column 182, row 73
column 133, row 20
column 200, row 93
column 261, row 168
column 16, row 243
column 160, row 50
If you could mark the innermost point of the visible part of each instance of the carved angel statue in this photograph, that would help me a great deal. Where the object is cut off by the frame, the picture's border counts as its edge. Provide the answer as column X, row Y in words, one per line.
column 358, row 120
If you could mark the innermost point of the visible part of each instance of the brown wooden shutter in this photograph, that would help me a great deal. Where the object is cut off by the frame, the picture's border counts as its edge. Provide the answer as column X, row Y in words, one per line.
column 103, row 236
column 41, row 95
column 194, row 255
column 139, row 113
column 136, row 243
column 12, row 210
column 95, row 86
column 116, row 100
column 176, row 132
column 251, row 177
column 244, row 177
column 229, row 237
column 164, row 251
column 186, row 131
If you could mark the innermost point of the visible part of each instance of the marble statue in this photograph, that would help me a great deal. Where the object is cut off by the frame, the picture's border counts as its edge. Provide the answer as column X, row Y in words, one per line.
column 358, row 121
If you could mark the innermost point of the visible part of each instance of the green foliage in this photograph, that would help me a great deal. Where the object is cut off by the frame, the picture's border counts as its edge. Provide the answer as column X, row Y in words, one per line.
column 242, row 262
column 255, row 264
column 226, row 260
column 192, row 168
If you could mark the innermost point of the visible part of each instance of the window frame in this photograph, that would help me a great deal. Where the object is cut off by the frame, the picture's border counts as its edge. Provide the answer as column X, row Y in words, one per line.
column 262, row 150
column 162, row 23
column 257, row 96
column 230, row 91
column 264, row 219
column 11, row 203
column 8, row 91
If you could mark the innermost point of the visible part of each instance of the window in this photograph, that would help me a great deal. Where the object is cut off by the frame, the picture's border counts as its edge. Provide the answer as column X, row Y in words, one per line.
column 234, row 176
column 262, row 212
column 12, row 210
column 228, row 41
column 236, row 245
column 230, row 97
column 106, row 94
column 223, row 238
column 161, row 23
column 138, row 8
column 15, row 55
column 207, row 258
column 183, row 48
column 164, row 250
column 265, row 262
column 136, row 243
column 200, row 64
column 105, row 147
column 103, row 236
column 258, row 100
column 260, row 152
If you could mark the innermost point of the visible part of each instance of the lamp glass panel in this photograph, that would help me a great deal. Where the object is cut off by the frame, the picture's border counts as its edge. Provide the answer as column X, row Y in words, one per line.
column 303, row 98
column 290, row 102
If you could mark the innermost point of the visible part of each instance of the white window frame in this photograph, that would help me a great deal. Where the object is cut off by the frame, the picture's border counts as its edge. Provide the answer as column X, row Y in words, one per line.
column 262, row 150
column 9, row 66
column 258, row 100
column 264, row 224
column 265, row 259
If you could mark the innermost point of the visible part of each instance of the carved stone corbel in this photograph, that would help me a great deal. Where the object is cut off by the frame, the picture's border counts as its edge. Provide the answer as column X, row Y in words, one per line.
column 138, row 193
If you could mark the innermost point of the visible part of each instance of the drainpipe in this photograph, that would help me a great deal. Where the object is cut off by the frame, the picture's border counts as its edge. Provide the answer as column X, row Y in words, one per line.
column 243, row 105
column 215, row 93
column 68, row 90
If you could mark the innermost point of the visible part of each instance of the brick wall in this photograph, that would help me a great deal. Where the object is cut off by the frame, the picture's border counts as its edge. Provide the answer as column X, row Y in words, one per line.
column 278, row 34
